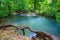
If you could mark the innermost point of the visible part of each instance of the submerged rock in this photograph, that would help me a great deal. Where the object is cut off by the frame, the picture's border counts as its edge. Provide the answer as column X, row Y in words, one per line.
column 11, row 35
column 55, row 38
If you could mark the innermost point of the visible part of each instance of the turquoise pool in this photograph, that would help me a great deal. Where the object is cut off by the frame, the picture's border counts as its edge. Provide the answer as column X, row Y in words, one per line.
column 48, row 25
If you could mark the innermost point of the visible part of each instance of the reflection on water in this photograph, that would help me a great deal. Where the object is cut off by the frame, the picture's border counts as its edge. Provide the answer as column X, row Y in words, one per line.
column 36, row 23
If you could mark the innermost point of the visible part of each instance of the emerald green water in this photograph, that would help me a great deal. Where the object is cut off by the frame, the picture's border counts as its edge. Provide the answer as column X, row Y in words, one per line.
column 48, row 25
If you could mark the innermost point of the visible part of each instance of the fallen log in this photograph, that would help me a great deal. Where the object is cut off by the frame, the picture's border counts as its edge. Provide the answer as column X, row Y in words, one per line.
column 7, row 26
column 4, row 27
column 39, row 34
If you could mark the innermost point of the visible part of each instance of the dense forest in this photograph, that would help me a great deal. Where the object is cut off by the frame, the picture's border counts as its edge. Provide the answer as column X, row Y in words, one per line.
column 47, row 8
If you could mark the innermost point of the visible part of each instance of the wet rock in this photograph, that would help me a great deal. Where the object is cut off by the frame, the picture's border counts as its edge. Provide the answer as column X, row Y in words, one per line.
column 11, row 35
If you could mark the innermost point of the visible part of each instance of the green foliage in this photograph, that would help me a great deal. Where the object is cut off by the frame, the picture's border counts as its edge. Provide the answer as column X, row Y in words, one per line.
column 3, row 9
column 58, row 11
column 43, row 7
column 46, row 7
column 3, row 13
column 58, row 17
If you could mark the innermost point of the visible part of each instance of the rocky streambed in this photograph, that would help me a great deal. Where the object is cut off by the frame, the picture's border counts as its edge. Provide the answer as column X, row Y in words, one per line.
column 10, row 34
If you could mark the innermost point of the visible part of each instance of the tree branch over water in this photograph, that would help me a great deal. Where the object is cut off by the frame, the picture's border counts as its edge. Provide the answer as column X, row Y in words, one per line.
column 39, row 34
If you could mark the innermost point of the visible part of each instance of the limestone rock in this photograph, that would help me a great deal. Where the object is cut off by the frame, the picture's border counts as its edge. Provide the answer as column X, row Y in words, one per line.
column 11, row 35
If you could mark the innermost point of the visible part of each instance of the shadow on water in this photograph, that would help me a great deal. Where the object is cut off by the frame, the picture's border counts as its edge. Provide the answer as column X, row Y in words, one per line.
column 48, row 25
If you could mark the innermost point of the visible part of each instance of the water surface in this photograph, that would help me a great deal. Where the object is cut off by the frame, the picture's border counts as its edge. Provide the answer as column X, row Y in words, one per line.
column 38, row 23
